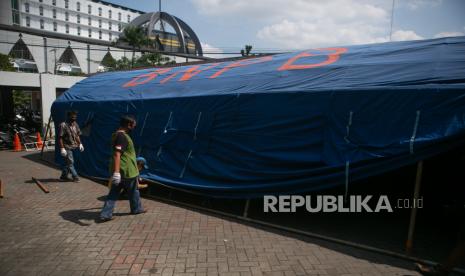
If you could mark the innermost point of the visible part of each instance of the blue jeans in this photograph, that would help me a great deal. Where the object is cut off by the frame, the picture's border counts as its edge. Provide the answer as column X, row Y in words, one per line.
column 68, row 166
column 128, row 184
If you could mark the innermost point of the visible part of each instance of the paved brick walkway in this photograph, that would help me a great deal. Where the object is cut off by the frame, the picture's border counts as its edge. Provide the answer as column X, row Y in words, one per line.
column 56, row 234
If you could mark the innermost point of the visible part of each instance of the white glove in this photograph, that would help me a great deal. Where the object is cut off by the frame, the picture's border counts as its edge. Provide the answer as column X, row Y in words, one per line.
column 116, row 178
column 81, row 147
column 63, row 152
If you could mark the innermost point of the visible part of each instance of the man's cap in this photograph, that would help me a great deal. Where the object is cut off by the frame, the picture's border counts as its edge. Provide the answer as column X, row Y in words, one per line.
column 142, row 159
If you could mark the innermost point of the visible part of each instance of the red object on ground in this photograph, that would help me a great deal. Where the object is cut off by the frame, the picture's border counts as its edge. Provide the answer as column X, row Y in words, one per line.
column 39, row 141
column 16, row 143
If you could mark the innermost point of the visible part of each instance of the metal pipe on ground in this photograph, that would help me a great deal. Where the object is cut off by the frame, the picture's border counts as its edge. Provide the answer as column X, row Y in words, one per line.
column 41, row 186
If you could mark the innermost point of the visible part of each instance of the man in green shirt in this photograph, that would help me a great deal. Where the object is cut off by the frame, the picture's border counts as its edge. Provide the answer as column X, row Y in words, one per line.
column 123, row 167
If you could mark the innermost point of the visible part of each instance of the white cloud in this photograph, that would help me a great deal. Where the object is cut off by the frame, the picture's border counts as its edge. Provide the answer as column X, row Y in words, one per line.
column 446, row 34
column 401, row 35
column 304, row 34
column 211, row 51
column 415, row 4
column 303, row 24
column 300, row 24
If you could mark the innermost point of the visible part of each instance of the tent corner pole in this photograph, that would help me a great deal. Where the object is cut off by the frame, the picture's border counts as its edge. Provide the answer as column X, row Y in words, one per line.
column 413, row 212
column 45, row 137
column 246, row 208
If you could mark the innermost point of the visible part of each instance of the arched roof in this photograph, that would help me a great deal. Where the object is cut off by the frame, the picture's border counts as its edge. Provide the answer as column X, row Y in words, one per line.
column 179, row 26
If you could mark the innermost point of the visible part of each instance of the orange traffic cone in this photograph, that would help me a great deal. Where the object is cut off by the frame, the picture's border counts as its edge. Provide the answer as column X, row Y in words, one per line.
column 16, row 143
column 39, row 141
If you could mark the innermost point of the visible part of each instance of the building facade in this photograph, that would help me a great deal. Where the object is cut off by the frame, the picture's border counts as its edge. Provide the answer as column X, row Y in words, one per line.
column 60, row 41
column 83, row 18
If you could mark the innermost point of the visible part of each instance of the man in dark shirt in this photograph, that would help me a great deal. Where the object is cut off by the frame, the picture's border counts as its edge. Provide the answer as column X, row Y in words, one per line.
column 68, row 140
column 123, row 167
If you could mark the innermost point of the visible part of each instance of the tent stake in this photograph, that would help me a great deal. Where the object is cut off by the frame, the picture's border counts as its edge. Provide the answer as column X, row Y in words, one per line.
column 413, row 212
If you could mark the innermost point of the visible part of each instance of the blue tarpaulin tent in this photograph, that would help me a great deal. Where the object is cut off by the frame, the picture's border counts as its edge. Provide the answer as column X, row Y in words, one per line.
column 279, row 124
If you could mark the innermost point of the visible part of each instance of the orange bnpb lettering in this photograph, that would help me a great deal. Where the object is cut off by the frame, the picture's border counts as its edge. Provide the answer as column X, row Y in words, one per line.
column 144, row 78
column 194, row 71
column 332, row 57
column 188, row 74
column 240, row 64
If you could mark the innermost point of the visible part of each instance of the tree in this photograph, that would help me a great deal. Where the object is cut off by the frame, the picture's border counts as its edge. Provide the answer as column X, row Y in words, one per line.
column 123, row 64
column 108, row 61
column 136, row 38
column 5, row 64
column 151, row 59
column 246, row 52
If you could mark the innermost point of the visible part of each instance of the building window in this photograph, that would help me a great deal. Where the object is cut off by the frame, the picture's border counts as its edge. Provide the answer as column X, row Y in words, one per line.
column 55, row 26
column 100, row 23
column 15, row 15
column 109, row 25
column 78, row 6
column 66, row 16
column 99, row 34
column 99, row 11
column 26, row 7
column 119, row 27
column 129, row 18
column 54, row 2
column 42, row 24
column 109, row 14
column 89, row 9
column 15, row 11
column 67, row 28
column 89, row 21
column 28, row 21
column 41, row 10
column 109, row 36
column 90, row 33
column 79, row 30
column 66, row 4
column 54, row 13
column 78, row 18
column 14, row 4
column 119, row 16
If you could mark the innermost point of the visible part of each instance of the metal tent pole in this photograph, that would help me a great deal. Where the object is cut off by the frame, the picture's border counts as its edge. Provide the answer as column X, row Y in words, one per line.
column 413, row 212
column 45, row 137
column 246, row 208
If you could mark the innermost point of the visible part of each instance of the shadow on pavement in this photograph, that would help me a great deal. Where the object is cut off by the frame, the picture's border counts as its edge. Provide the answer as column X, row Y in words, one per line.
column 47, row 158
column 82, row 217
column 76, row 216
column 44, row 180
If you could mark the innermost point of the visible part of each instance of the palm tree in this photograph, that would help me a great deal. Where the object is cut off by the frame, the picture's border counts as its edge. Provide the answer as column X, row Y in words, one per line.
column 136, row 38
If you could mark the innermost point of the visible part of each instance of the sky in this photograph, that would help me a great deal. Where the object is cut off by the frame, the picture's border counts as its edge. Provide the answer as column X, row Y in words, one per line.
column 225, row 26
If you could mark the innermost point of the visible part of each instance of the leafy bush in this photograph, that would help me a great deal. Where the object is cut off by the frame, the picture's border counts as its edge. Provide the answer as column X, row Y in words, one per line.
column 5, row 64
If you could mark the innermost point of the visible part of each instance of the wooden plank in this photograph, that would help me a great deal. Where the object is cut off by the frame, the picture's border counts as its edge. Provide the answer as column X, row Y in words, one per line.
column 41, row 186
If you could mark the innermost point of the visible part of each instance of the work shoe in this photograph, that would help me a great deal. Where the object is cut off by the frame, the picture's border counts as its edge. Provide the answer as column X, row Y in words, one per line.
column 65, row 178
column 139, row 212
column 431, row 270
column 102, row 220
column 76, row 179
